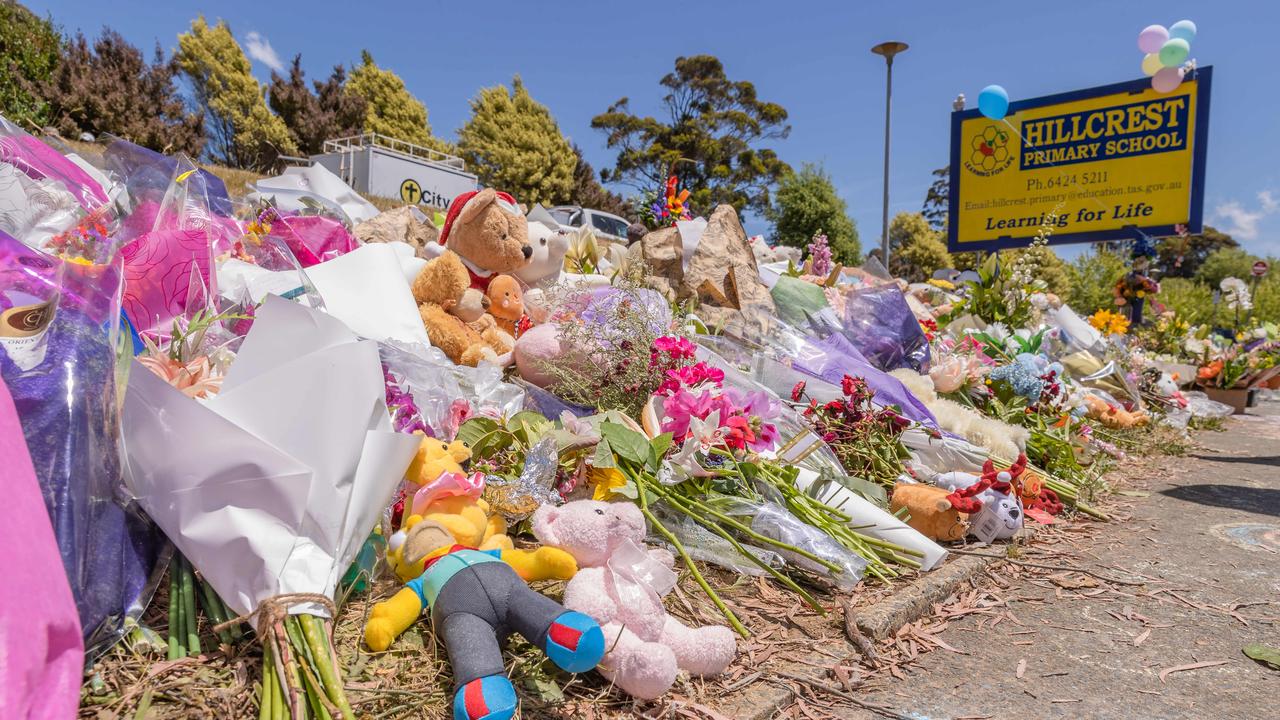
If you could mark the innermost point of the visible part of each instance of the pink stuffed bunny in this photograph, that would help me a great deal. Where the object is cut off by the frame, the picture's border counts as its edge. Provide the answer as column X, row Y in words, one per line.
column 621, row 586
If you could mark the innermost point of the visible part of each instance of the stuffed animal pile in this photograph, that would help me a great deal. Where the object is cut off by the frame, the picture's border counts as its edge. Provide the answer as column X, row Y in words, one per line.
column 459, row 566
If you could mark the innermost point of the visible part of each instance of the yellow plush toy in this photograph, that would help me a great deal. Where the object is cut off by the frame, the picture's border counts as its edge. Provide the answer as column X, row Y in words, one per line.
column 467, row 522
column 435, row 457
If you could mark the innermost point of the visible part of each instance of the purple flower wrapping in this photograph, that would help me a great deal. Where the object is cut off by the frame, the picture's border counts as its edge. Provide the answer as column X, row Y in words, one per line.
column 878, row 321
column 66, row 403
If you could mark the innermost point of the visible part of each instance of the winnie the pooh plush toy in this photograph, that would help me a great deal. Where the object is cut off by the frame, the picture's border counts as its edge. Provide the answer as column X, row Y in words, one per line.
column 621, row 585
column 489, row 233
column 440, row 289
column 434, row 458
column 476, row 598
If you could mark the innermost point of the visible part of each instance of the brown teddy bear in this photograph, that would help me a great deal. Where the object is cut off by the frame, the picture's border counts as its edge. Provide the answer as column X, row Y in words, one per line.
column 1114, row 416
column 931, row 512
column 506, row 302
column 488, row 231
column 441, row 288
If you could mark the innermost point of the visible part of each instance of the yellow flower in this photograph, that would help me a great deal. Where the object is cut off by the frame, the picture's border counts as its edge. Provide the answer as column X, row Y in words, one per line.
column 1109, row 323
column 944, row 284
column 605, row 481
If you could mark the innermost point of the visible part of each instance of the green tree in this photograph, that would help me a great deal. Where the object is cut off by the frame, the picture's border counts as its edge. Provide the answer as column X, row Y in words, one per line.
column 807, row 202
column 29, row 47
column 711, row 137
column 109, row 87
column 1183, row 256
column 242, row 131
column 390, row 109
column 589, row 193
column 1191, row 300
column 916, row 249
column 1091, row 277
column 512, row 143
column 1225, row 262
column 936, row 199
column 312, row 117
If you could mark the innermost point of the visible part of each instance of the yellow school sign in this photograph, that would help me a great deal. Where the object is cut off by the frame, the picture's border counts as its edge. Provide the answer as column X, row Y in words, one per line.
column 1099, row 164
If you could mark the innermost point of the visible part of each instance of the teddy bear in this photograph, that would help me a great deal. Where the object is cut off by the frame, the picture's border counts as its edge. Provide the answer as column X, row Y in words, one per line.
column 435, row 457
column 441, row 288
column 1113, row 415
column 930, row 512
column 997, row 437
column 506, row 303
column 621, row 585
column 489, row 234
column 997, row 492
column 476, row 598
column 546, row 264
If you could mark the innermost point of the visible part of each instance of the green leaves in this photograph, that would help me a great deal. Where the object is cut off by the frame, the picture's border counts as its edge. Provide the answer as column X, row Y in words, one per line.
column 625, row 442
column 1264, row 654
column 485, row 436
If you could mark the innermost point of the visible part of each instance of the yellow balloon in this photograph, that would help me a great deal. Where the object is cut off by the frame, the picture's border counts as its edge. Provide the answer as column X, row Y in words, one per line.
column 1151, row 64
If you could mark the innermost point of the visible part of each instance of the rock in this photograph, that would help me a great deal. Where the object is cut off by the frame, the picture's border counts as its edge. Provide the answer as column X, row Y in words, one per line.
column 725, row 262
column 406, row 224
column 661, row 251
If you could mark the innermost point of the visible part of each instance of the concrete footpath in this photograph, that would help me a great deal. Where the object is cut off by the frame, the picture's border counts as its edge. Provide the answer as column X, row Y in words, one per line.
column 1204, row 544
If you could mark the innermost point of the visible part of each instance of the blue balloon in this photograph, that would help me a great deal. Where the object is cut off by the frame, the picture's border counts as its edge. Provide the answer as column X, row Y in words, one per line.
column 993, row 102
column 1183, row 30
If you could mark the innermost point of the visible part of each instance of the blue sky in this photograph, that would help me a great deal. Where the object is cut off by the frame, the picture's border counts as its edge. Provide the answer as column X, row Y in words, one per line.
column 811, row 57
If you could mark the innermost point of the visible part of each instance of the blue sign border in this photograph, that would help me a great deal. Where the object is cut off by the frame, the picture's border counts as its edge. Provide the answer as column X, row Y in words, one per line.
column 1203, row 77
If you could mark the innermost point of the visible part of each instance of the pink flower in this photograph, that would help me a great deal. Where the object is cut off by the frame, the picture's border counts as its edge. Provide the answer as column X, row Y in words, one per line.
column 682, row 405
column 677, row 348
column 797, row 392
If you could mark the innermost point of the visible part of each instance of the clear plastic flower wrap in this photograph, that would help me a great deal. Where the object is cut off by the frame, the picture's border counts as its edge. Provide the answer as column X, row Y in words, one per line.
column 446, row 394
column 169, row 267
column 517, row 498
column 147, row 174
column 878, row 321
column 42, row 193
column 58, row 355
column 791, row 355
column 704, row 545
column 774, row 521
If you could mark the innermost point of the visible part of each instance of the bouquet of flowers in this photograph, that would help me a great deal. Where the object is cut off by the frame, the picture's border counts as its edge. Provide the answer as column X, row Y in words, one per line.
column 864, row 437
column 321, row 467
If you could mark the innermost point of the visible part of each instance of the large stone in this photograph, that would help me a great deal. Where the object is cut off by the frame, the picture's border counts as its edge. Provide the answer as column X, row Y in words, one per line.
column 662, row 253
column 406, row 224
column 724, row 276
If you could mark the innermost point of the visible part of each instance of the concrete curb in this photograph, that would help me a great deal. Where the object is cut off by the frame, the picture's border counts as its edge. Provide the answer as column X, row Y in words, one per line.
column 909, row 602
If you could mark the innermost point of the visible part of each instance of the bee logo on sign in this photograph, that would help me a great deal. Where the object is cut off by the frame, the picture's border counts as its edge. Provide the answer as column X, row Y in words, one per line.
column 990, row 152
column 410, row 191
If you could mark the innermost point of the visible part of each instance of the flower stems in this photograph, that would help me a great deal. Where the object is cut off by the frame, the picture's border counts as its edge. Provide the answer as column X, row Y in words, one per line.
column 300, row 673
column 688, row 562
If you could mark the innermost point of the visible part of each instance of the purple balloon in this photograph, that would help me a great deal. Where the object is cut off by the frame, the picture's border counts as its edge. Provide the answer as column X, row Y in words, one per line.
column 1152, row 38
column 1167, row 79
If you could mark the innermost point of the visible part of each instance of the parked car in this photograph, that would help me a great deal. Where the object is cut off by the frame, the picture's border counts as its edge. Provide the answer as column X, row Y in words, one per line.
column 606, row 225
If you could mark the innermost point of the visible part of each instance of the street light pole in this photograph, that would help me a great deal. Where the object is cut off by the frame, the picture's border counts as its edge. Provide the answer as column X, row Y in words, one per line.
column 888, row 50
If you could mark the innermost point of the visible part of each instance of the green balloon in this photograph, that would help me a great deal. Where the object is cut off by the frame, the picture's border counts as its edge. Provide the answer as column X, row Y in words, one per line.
column 1174, row 52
